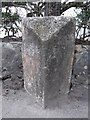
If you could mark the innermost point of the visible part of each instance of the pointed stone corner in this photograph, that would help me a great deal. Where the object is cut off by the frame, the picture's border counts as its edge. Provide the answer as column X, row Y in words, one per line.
column 45, row 27
column 48, row 50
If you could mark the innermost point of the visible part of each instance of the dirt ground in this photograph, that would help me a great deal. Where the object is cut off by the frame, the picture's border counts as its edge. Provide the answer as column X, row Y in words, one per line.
column 19, row 104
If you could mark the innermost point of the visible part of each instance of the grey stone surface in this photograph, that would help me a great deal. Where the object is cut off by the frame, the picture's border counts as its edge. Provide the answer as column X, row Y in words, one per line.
column 0, row 59
column 81, row 66
column 12, row 71
column 48, row 49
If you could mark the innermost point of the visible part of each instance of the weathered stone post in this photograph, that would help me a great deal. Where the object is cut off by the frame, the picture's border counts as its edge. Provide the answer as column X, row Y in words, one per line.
column 48, row 49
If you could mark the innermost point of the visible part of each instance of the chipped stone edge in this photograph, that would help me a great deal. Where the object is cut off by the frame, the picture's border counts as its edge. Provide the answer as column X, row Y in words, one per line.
column 26, row 22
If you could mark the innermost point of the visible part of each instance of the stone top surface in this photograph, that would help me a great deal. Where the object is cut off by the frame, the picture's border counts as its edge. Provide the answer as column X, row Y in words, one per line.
column 44, row 27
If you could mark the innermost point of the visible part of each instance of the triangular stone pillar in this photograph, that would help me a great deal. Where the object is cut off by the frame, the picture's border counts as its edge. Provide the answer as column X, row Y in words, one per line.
column 48, row 50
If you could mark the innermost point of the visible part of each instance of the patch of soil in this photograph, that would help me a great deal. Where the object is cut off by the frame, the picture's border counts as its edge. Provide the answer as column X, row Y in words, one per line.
column 19, row 104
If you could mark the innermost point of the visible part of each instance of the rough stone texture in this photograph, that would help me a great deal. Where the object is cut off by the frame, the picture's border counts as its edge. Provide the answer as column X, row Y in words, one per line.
column 81, row 66
column 0, row 59
column 12, row 71
column 48, row 49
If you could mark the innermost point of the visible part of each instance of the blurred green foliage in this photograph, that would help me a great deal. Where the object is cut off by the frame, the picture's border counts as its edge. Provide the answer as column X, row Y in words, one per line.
column 40, row 9
column 9, row 22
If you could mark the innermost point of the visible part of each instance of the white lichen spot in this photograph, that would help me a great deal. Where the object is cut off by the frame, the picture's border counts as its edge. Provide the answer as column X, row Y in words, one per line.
column 29, row 84
column 85, row 67
column 8, row 45
column 83, row 72
column 45, row 67
column 78, row 75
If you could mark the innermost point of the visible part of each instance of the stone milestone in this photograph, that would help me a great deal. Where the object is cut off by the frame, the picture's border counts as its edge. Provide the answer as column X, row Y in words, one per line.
column 47, row 52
